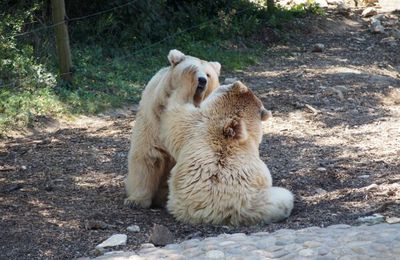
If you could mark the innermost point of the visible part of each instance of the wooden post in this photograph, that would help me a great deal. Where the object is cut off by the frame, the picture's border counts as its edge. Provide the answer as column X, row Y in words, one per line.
column 62, row 39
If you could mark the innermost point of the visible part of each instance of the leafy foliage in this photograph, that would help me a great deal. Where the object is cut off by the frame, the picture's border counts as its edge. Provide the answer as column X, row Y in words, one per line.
column 115, row 53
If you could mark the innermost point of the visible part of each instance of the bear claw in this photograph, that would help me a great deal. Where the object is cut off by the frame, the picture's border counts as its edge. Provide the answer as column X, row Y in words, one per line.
column 137, row 204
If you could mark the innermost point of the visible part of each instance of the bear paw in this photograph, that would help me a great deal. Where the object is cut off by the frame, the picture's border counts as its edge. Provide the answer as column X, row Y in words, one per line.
column 137, row 203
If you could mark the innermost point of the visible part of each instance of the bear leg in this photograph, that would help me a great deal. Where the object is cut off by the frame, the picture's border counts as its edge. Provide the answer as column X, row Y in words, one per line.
column 143, row 180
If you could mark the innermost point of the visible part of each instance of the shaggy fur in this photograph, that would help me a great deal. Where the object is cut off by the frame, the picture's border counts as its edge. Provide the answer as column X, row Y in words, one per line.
column 149, row 163
column 219, row 177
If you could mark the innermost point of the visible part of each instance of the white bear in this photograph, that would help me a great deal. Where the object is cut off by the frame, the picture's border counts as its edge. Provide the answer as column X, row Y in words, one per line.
column 186, row 80
column 219, row 177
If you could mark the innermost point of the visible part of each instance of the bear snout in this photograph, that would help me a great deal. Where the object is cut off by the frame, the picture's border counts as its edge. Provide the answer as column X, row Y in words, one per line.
column 202, row 82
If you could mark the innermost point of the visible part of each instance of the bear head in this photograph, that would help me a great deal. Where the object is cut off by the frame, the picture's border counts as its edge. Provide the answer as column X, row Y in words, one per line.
column 239, row 113
column 193, row 79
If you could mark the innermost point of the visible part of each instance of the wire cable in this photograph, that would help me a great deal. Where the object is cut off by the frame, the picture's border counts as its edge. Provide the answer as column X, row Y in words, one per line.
column 70, row 20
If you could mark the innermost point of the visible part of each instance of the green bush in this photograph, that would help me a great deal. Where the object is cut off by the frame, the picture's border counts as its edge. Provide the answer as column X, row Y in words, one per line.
column 115, row 53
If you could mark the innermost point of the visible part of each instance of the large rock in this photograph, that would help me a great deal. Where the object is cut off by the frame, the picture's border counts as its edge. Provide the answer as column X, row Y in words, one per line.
column 161, row 236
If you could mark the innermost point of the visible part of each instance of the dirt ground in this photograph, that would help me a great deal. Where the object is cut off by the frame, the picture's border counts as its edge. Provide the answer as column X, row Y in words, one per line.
column 334, row 141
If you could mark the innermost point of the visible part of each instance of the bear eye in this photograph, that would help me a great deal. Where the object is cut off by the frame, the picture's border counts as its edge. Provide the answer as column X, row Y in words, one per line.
column 208, row 75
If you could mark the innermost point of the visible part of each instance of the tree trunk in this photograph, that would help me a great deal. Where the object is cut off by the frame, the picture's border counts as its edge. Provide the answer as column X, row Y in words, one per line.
column 62, row 39
column 270, row 6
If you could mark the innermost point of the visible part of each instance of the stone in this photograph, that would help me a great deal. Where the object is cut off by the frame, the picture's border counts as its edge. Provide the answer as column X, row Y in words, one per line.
column 265, row 243
column 359, row 250
column 147, row 245
column 215, row 254
column 192, row 252
column 323, row 251
column 281, row 243
column 321, row 169
column 318, row 47
column 161, row 236
column 274, row 248
column 392, row 220
column 369, row 11
column 307, row 252
column 114, row 240
column 133, row 228
column 376, row 26
column 276, row 254
column 374, row 219
column 311, row 244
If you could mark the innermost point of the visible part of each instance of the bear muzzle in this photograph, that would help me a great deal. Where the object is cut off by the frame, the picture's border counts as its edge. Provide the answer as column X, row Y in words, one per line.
column 202, row 82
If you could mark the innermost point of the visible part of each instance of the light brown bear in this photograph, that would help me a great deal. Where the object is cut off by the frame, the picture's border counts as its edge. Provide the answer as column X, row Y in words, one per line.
column 219, row 177
column 186, row 80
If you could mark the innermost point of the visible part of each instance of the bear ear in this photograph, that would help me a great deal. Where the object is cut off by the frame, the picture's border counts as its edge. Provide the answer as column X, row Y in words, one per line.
column 175, row 56
column 265, row 114
column 216, row 66
column 235, row 129
column 239, row 87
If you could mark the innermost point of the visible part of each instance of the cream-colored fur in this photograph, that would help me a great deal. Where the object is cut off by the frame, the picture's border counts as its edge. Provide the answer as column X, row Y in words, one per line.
column 149, row 163
column 219, row 177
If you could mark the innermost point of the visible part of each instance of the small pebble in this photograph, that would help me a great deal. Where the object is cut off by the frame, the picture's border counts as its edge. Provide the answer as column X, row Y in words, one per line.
column 318, row 47
column 393, row 220
column 133, row 228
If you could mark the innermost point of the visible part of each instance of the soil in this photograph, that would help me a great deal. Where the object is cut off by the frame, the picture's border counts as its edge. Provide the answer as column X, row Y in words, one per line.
column 334, row 141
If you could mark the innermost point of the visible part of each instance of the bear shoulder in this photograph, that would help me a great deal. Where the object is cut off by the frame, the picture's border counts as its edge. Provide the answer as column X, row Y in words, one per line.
column 179, row 125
